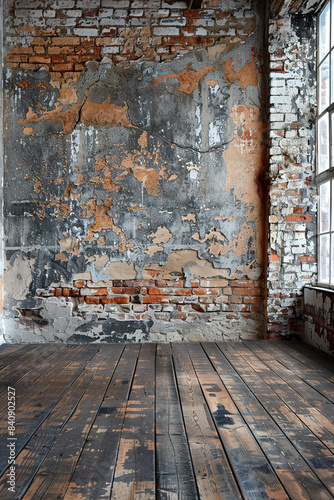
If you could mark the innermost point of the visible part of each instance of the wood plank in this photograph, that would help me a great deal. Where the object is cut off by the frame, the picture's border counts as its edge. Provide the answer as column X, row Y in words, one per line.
column 94, row 472
column 53, row 477
column 313, row 397
column 322, row 358
column 41, row 376
column 14, row 371
column 35, row 415
column 175, row 475
column 318, row 457
column 294, row 473
column 6, row 349
column 135, row 470
column 310, row 416
column 255, row 475
column 30, row 458
column 214, row 476
column 298, row 353
column 315, row 380
column 15, row 354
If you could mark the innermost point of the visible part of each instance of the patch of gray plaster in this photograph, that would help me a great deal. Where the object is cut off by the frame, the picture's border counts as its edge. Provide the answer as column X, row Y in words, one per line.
column 18, row 277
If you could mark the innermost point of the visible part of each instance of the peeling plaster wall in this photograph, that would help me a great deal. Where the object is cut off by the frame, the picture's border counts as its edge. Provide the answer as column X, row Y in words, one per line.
column 319, row 318
column 135, row 191
column 293, row 195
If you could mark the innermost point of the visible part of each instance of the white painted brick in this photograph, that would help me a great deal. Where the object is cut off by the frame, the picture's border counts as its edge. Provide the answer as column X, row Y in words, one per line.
column 176, row 5
column 138, row 21
column 110, row 21
column 64, row 4
column 276, row 117
column 201, row 32
column 278, row 125
column 61, row 22
column 88, row 22
column 221, row 22
column 23, row 13
column 290, row 134
column 166, row 31
column 74, row 13
column 291, row 117
column 280, row 99
column 111, row 50
column 49, row 13
column 86, row 32
column 106, row 12
column 136, row 13
column 277, row 82
column 178, row 21
column 120, row 13
column 88, row 4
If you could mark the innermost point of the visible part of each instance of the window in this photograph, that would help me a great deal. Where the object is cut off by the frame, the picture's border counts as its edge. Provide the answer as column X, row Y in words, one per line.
column 325, row 144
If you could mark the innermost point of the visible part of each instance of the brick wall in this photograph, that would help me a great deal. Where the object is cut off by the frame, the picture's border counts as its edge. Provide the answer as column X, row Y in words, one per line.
column 293, row 196
column 170, row 181
column 64, row 35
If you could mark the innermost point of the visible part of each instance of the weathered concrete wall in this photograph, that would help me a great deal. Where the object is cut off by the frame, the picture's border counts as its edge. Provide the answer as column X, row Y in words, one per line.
column 319, row 318
column 293, row 194
column 135, row 171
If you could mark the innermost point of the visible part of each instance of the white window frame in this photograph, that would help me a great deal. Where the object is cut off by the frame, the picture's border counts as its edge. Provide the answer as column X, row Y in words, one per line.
column 325, row 144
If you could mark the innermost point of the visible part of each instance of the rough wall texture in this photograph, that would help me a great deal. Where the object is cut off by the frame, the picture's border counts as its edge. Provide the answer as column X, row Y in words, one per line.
column 293, row 197
column 135, row 171
column 319, row 318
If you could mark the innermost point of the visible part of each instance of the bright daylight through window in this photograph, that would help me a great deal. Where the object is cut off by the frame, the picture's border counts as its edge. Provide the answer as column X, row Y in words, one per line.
column 325, row 143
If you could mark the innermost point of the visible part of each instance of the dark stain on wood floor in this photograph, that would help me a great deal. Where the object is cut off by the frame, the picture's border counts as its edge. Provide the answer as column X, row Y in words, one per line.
column 249, row 420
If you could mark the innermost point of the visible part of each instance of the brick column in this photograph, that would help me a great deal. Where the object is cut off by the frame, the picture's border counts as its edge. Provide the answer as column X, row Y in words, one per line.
column 292, row 209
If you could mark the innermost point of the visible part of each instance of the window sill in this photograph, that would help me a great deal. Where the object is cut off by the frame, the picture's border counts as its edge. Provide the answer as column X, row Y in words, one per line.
column 320, row 288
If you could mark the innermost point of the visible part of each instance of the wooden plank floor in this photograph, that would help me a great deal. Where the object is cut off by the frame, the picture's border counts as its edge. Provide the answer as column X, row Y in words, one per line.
column 250, row 420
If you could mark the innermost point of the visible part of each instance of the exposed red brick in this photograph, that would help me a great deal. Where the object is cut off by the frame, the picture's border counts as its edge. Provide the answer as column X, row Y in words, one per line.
column 124, row 299
column 92, row 300
column 206, row 291
column 298, row 218
column 306, row 258
column 155, row 299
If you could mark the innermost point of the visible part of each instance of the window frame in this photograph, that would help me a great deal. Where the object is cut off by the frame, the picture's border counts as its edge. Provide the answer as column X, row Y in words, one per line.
column 328, row 174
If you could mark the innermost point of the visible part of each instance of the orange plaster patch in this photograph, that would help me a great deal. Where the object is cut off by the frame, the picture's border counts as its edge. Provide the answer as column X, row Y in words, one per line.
column 246, row 163
column 104, row 114
column 212, row 83
column 68, row 96
column 162, row 235
column 103, row 221
column 68, row 118
column 150, row 180
column 245, row 76
column 238, row 245
column 188, row 78
column 142, row 141
column 38, row 186
column 28, row 130
column 64, row 209
column 209, row 236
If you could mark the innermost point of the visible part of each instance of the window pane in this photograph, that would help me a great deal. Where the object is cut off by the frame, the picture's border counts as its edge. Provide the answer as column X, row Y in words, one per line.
column 324, row 258
column 332, row 261
column 324, row 33
column 332, row 217
column 325, row 207
column 332, row 140
column 323, row 146
column 331, row 76
column 323, row 85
